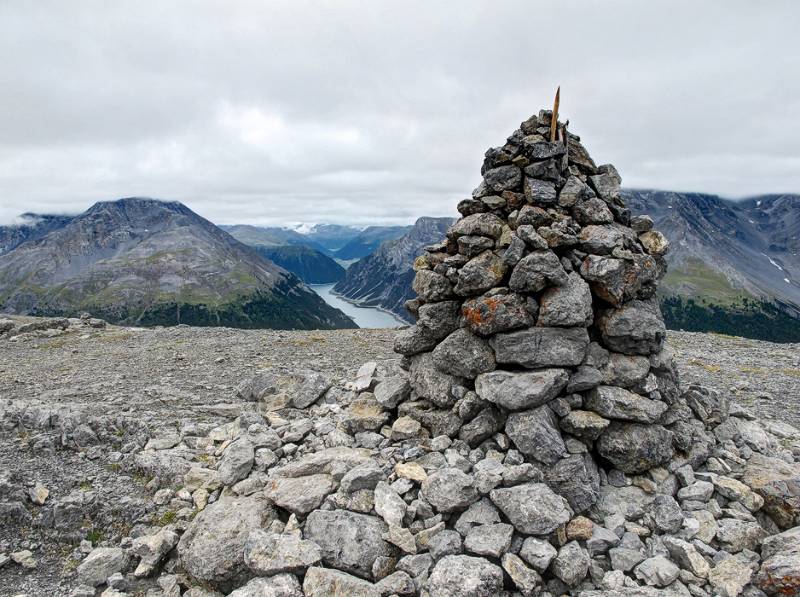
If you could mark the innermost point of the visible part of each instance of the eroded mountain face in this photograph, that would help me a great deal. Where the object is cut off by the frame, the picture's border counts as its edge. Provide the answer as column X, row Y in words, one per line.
column 149, row 262
column 30, row 227
column 728, row 248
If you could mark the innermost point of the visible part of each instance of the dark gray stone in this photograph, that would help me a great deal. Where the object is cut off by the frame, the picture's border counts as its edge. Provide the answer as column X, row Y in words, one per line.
column 600, row 239
column 482, row 224
column 536, row 271
column 463, row 354
column 212, row 548
column 568, row 305
column 349, row 541
column 575, row 478
column 480, row 274
column 431, row 286
column 635, row 448
column 635, row 328
column 533, row 508
column 618, row 403
column 493, row 313
column 503, row 178
column 523, row 390
column 535, row 433
column 542, row 347
column 449, row 490
column 472, row 246
column 540, row 192
column 592, row 211
column 463, row 576
column 430, row 383
column 485, row 424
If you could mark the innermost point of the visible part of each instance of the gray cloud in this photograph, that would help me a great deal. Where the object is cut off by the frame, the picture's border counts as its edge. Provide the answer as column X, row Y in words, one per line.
column 364, row 112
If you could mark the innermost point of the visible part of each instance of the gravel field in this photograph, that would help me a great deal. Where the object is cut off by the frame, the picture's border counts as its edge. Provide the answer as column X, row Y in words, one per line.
column 166, row 379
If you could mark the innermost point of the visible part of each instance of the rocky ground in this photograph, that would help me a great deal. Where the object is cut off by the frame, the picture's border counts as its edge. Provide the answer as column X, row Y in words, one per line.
column 101, row 425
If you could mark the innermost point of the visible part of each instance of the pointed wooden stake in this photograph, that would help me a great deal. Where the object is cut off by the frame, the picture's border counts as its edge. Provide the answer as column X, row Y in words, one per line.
column 554, row 118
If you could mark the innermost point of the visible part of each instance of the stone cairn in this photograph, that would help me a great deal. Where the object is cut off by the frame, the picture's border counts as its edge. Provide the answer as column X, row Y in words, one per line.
column 537, row 317
column 532, row 440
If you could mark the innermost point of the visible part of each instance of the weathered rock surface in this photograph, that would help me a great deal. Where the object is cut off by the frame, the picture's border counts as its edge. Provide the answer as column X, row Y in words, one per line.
column 348, row 541
column 533, row 508
column 212, row 548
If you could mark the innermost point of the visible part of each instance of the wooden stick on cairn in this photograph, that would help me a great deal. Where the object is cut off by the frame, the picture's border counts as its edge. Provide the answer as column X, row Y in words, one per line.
column 554, row 117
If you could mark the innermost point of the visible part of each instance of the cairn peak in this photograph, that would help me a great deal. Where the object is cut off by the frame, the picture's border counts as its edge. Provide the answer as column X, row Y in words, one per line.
column 537, row 317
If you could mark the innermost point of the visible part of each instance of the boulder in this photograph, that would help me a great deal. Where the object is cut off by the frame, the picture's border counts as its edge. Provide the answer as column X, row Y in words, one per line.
column 635, row 328
column 584, row 424
column 480, row 274
column 576, row 478
column 463, row 576
column 523, row 390
column 431, row 286
column 101, row 563
column 449, row 489
column 536, row 271
column 524, row 578
column 463, row 354
column 324, row 582
column 568, row 305
column 489, row 539
column 635, row 448
column 533, row 508
column 349, row 541
column 618, row 403
column 541, row 347
column 778, row 483
column 571, row 565
column 491, row 314
column 212, row 548
column 280, row 585
column 429, row 382
column 780, row 569
column 236, row 462
column 535, row 433
column 267, row 554
column 152, row 549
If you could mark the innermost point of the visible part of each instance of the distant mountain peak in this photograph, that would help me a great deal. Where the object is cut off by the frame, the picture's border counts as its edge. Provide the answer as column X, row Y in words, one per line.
column 145, row 261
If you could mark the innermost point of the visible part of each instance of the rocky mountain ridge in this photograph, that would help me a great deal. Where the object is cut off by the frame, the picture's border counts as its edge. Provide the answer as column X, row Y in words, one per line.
column 368, row 240
column 728, row 273
column 308, row 264
column 754, row 242
column 151, row 262
column 30, row 227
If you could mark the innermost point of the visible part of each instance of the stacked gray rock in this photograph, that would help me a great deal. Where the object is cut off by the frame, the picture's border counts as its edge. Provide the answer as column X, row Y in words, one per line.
column 537, row 317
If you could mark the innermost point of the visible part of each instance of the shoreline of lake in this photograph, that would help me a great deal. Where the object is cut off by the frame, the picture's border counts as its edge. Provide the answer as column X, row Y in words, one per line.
column 365, row 317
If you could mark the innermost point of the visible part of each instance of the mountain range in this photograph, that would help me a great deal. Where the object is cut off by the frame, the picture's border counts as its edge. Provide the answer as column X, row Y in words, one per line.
column 148, row 262
column 315, row 253
column 733, row 266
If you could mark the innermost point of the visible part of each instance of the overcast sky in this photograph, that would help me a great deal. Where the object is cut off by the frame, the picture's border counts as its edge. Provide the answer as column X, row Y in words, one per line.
column 270, row 112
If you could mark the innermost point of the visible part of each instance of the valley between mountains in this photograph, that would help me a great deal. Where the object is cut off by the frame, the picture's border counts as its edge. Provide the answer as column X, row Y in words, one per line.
column 733, row 267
